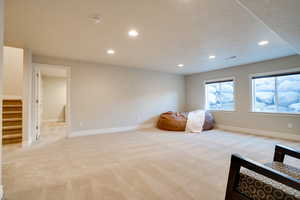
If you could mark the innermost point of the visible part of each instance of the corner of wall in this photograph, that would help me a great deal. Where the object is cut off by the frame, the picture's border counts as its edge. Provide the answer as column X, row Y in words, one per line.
column 1, row 78
column 186, row 107
column 27, row 95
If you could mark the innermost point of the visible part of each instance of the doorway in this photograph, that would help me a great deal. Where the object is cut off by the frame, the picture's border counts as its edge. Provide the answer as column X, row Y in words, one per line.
column 51, row 110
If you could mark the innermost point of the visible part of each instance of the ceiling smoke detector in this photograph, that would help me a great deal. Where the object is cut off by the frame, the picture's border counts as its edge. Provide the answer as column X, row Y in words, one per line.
column 96, row 19
column 231, row 58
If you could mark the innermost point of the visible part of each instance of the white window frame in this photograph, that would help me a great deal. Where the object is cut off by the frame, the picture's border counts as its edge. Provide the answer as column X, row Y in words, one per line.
column 220, row 80
column 252, row 91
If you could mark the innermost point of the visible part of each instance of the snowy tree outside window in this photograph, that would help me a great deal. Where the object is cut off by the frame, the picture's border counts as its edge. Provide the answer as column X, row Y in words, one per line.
column 220, row 95
column 280, row 93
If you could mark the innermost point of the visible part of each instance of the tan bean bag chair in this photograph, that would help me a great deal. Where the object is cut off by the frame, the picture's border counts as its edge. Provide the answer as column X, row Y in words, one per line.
column 176, row 121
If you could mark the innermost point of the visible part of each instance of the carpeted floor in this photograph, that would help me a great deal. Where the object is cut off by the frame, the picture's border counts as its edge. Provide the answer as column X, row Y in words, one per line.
column 139, row 165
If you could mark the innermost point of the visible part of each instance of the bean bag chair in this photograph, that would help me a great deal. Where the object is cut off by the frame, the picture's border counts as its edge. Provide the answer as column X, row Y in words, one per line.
column 209, row 121
column 176, row 121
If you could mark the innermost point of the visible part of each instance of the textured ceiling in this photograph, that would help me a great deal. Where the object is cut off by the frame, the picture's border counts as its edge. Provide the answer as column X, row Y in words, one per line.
column 283, row 17
column 171, row 32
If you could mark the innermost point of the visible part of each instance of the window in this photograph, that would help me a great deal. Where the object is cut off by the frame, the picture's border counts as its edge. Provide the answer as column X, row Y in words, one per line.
column 276, row 93
column 220, row 95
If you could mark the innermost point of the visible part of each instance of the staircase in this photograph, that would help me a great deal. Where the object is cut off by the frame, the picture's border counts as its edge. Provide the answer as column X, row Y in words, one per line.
column 12, row 121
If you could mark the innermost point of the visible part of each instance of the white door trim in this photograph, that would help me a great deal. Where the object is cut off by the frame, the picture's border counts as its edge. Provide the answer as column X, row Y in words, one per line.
column 68, row 106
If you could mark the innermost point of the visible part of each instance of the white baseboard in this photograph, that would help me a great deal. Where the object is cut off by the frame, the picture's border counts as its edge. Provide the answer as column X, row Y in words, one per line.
column 272, row 134
column 11, row 97
column 109, row 130
column 26, row 143
column 52, row 120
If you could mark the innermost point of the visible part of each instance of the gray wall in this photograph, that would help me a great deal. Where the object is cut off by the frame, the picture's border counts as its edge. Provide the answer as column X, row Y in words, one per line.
column 242, row 117
column 54, row 98
column 105, row 96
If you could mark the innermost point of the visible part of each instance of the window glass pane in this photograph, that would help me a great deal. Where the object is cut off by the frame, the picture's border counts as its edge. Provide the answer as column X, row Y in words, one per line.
column 264, row 99
column 288, row 89
column 220, row 96
column 227, row 95
column 212, row 95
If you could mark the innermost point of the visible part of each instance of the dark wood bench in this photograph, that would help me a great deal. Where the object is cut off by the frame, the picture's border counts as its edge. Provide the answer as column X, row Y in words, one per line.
column 238, row 162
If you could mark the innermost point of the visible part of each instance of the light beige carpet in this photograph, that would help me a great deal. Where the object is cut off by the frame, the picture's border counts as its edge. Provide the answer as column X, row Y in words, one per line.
column 138, row 165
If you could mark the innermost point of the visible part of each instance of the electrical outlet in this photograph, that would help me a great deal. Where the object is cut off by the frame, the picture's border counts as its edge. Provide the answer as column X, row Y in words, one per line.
column 290, row 125
column 80, row 124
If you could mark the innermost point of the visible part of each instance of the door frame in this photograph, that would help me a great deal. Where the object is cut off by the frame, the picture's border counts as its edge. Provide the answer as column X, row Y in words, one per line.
column 37, row 67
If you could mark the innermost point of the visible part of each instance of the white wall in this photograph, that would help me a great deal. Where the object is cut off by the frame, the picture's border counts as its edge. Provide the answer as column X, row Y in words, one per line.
column 54, row 98
column 1, row 81
column 27, row 123
column 242, row 117
column 105, row 96
column 13, row 72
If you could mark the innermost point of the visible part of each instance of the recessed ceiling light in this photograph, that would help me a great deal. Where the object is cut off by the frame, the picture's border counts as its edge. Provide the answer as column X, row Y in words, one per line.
column 212, row 57
column 263, row 43
column 180, row 65
column 133, row 33
column 110, row 51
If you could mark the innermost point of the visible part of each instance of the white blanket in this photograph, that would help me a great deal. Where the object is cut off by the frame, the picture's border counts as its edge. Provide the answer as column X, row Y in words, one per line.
column 195, row 121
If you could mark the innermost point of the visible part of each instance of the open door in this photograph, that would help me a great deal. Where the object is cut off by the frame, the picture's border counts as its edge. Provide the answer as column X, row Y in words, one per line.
column 38, row 108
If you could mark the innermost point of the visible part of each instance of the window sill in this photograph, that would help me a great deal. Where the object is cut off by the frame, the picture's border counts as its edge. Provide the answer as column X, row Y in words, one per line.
column 220, row 110
column 283, row 114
